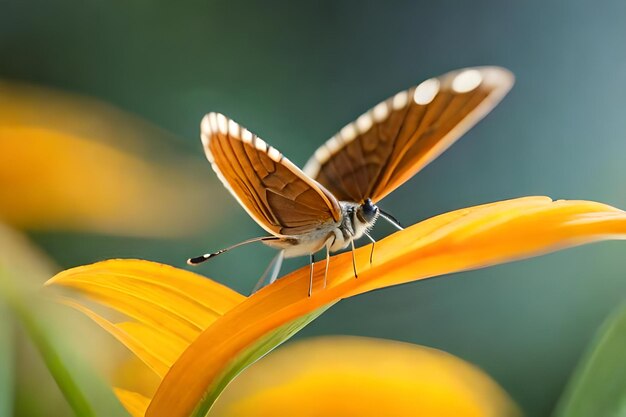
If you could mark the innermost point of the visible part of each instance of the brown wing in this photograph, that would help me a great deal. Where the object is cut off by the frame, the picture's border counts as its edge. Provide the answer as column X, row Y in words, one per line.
column 276, row 193
column 394, row 140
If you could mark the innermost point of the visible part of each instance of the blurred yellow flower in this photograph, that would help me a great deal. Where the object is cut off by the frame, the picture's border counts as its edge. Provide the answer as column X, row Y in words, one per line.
column 198, row 335
column 72, row 163
column 362, row 377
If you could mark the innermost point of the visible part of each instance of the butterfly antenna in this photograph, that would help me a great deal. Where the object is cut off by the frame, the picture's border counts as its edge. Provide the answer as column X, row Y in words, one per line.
column 203, row 258
column 390, row 219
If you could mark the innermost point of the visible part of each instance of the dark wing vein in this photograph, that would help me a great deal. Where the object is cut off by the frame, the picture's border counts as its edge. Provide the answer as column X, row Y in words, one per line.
column 280, row 197
column 394, row 140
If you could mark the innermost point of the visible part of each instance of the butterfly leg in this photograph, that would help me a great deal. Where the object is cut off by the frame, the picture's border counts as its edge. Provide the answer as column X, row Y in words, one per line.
column 327, row 262
column 274, row 267
column 353, row 259
column 373, row 244
column 311, row 274
column 279, row 262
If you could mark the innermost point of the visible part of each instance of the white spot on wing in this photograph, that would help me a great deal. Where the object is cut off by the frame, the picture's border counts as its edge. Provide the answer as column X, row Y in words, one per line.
column 364, row 122
column 400, row 100
column 381, row 111
column 222, row 124
column 205, row 125
column 333, row 145
column 426, row 91
column 233, row 128
column 260, row 144
column 467, row 81
column 274, row 154
column 213, row 122
column 496, row 77
column 205, row 130
column 322, row 154
column 348, row 133
column 246, row 135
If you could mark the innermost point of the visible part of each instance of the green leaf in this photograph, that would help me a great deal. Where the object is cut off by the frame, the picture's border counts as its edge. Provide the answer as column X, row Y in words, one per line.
column 42, row 342
column 598, row 387
column 22, row 270
column 251, row 355
column 7, row 358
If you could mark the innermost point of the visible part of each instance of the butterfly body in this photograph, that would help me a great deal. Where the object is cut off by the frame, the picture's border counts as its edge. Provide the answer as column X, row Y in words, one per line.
column 333, row 201
column 356, row 219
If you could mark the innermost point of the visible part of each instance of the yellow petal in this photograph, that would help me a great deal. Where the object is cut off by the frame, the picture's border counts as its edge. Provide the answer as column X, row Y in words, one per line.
column 178, row 303
column 167, row 349
column 136, row 404
column 153, row 354
column 357, row 376
column 171, row 306
column 67, row 162
column 460, row 240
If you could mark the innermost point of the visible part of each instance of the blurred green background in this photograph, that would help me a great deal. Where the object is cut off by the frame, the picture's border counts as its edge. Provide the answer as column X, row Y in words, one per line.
column 296, row 72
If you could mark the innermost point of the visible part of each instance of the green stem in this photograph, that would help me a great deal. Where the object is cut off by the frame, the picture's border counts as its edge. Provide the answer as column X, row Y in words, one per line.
column 70, row 389
column 598, row 387
column 7, row 357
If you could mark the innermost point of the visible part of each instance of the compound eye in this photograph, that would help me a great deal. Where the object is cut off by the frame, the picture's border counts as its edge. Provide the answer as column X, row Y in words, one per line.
column 369, row 210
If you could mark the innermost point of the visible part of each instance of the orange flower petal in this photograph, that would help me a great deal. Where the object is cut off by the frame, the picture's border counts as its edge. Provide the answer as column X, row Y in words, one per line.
column 135, row 404
column 68, row 162
column 167, row 299
column 145, row 349
column 168, row 350
column 364, row 377
column 460, row 240
column 171, row 306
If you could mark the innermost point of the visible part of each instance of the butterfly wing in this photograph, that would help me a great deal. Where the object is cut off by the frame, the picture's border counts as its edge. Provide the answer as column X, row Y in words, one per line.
column 276, row 193
column 394, row 140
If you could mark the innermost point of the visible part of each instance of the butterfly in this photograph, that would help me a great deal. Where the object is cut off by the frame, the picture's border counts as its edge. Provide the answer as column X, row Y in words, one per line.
column 333, row 201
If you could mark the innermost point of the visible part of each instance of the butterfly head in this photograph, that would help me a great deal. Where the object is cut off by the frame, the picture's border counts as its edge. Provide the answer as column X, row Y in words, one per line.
column 368, row 211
